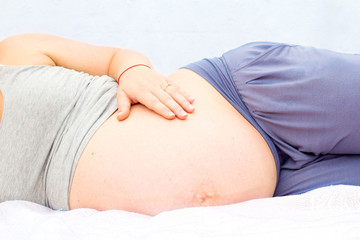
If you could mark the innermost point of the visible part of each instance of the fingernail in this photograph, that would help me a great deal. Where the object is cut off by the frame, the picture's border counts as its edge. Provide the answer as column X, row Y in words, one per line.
column 182, row 113
column 170, row 114
column 191, row 107
column 119, row 115
column 191, row 98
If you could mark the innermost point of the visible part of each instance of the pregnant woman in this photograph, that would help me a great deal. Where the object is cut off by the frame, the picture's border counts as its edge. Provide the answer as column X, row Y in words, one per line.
column 271, row 119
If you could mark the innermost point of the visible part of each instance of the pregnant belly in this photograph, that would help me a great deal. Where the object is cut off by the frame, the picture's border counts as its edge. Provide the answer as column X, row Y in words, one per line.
column 148, row 164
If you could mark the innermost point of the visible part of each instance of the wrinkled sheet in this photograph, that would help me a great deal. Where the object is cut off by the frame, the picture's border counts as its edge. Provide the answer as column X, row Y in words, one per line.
column 326, row 213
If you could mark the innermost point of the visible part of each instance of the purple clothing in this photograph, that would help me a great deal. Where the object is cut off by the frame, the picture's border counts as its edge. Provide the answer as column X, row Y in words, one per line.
column 304, row 101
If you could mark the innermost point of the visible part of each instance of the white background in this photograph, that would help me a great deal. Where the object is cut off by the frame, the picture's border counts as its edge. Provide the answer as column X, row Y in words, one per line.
column 173, row 33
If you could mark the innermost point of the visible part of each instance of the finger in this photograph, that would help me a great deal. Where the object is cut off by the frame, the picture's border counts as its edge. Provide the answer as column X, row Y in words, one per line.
column 174, row 88
column 171, row 103
column 177, row 94
column 153, row 103
column 188, row 97
column 124, row 105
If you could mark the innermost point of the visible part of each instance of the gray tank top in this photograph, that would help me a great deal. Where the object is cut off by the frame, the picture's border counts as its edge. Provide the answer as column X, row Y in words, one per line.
column 50, row 113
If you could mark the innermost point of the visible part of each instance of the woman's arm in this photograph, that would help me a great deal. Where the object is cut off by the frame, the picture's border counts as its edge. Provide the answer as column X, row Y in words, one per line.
column 138, row 84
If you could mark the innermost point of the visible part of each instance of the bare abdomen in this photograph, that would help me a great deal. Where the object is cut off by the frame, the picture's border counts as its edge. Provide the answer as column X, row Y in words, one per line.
column 148, row 164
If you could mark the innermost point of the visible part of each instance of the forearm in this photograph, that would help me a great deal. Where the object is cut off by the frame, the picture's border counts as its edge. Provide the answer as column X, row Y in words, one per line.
column 45, row 49
column 137, row 85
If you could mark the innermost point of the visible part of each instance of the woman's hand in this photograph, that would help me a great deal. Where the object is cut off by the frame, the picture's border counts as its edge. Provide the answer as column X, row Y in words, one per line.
column 146, row 86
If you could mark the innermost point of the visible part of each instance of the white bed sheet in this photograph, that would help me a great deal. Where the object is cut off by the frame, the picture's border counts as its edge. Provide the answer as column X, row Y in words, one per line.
column 326, row 213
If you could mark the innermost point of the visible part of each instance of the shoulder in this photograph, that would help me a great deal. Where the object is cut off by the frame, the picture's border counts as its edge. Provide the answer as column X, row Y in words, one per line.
column 24, row 49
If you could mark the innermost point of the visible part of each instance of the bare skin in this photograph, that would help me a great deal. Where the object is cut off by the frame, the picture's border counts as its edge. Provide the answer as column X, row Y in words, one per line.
column 44, row 49
column 148, row 164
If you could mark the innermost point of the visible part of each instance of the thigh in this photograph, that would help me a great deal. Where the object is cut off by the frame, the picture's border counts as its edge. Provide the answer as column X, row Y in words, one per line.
column 325, row 171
